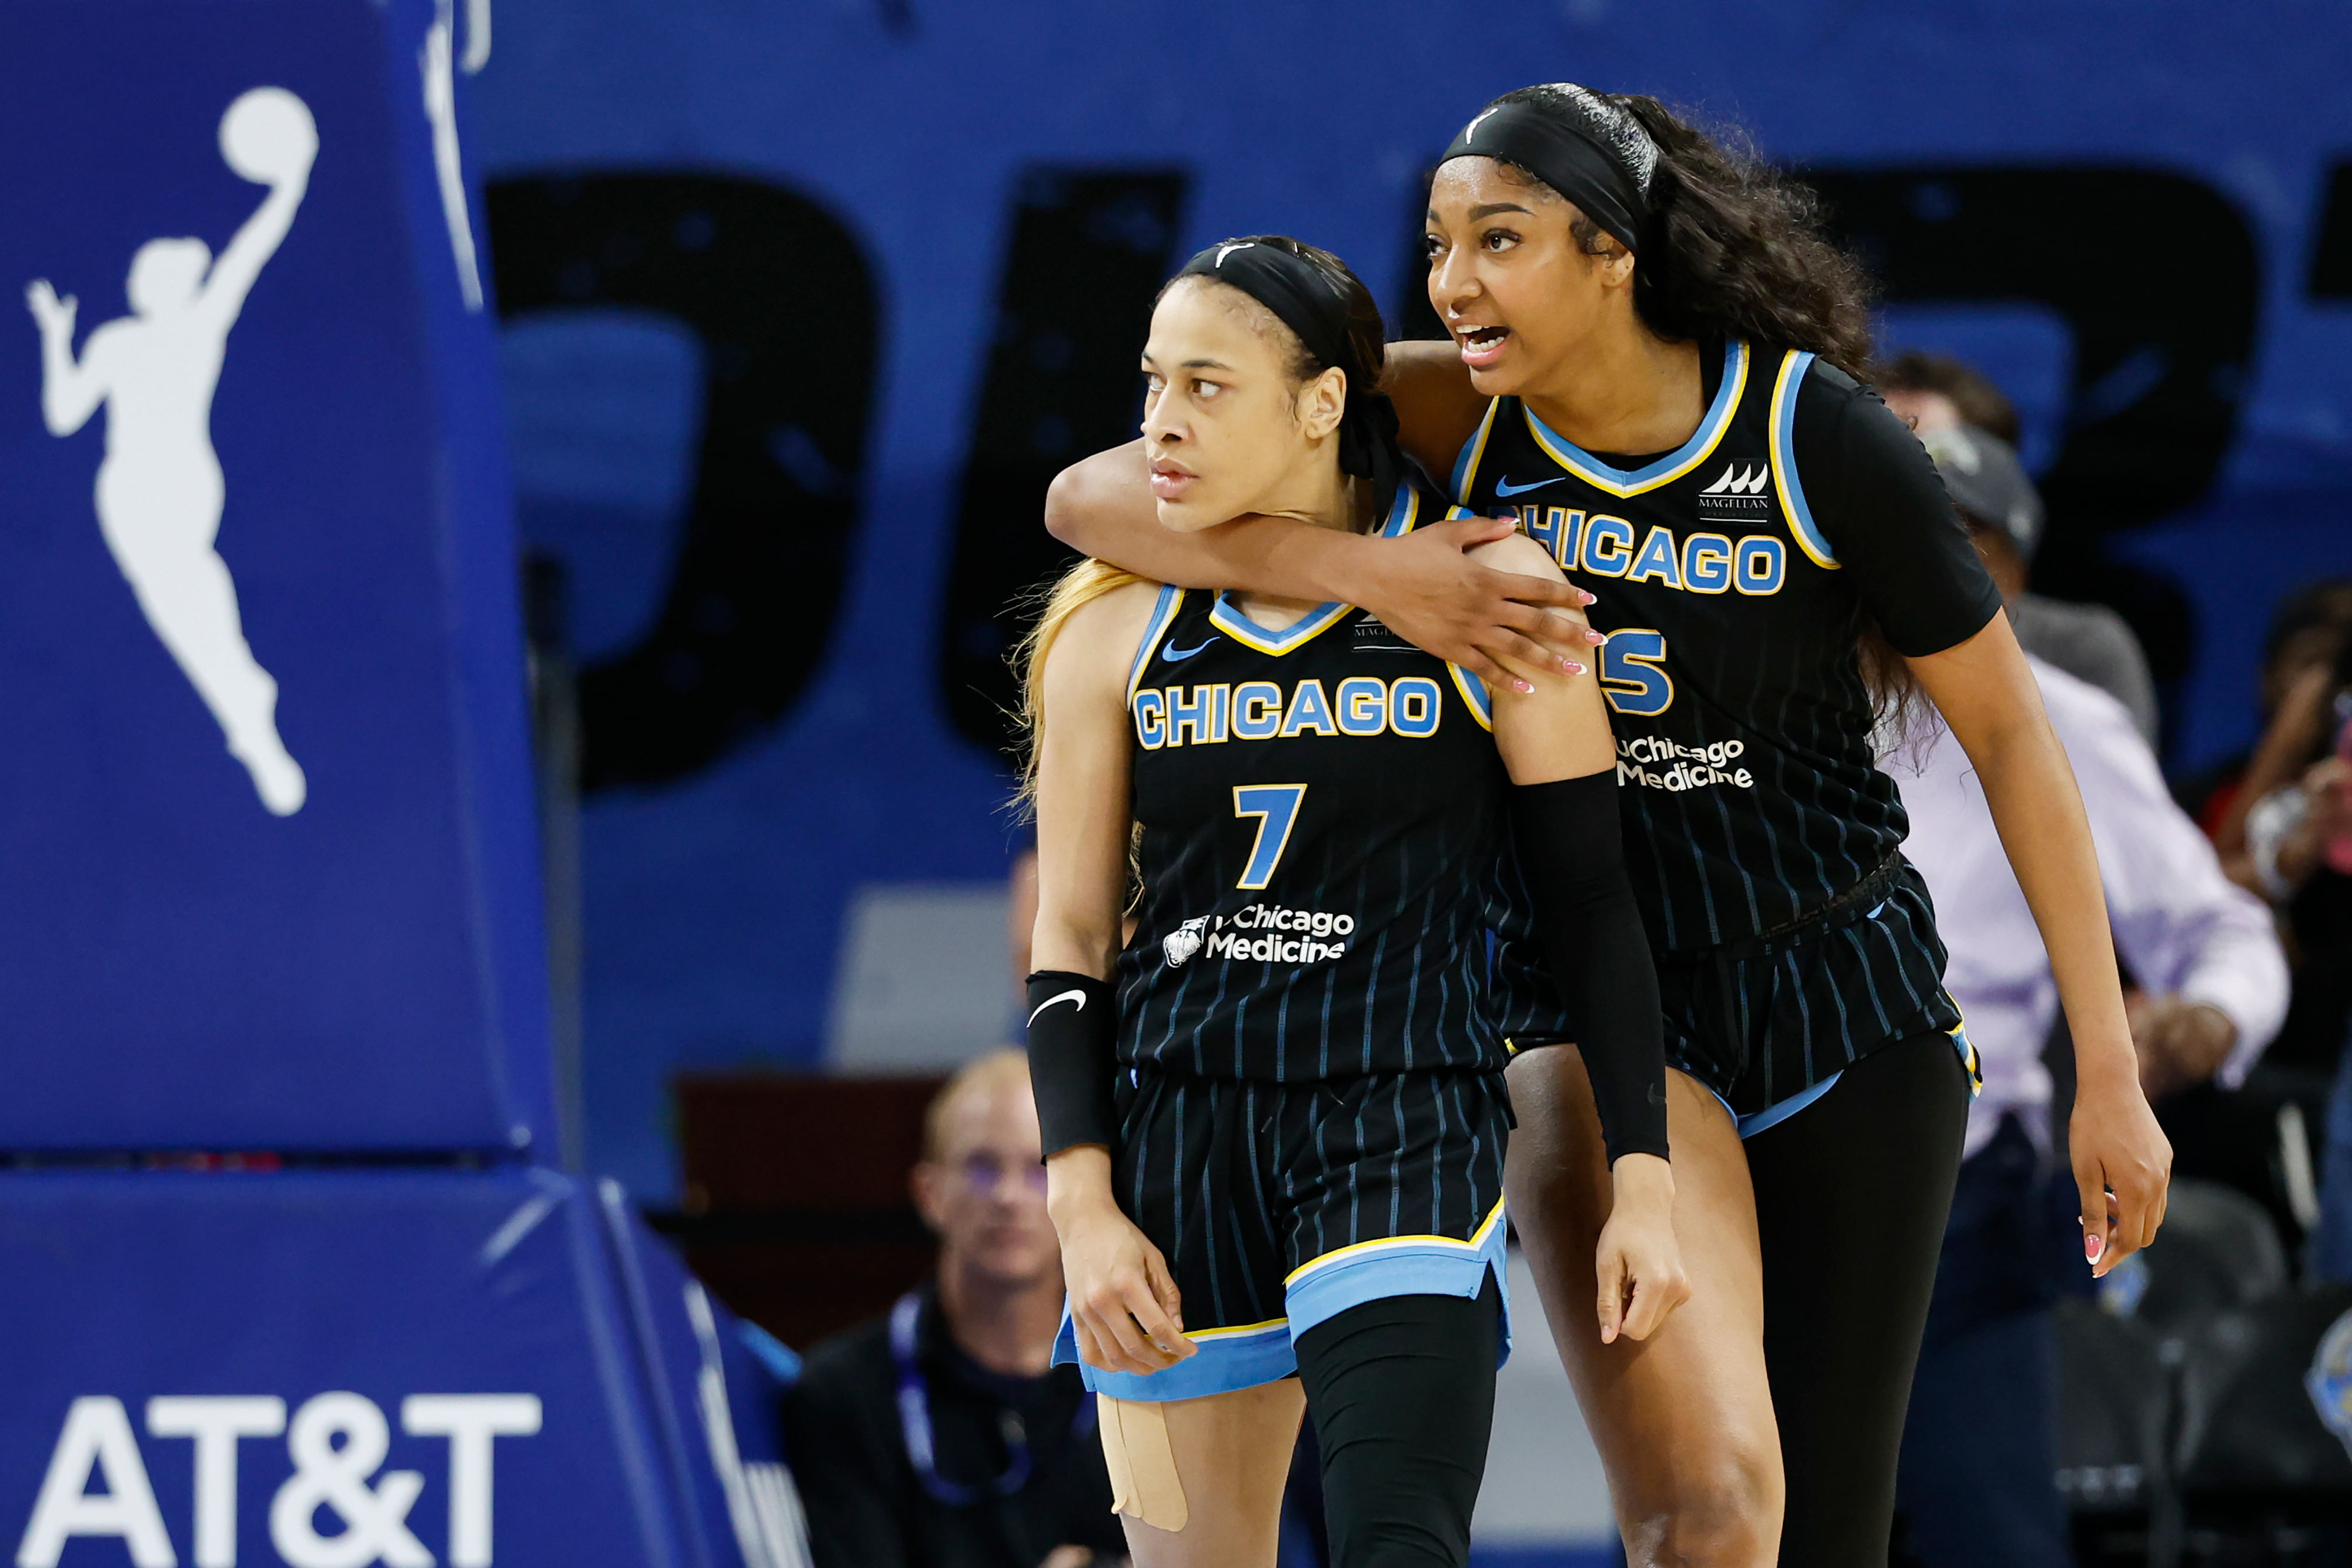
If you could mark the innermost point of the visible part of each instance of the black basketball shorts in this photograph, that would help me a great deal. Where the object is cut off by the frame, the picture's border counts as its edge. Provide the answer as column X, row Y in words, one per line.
column 1279, row 1205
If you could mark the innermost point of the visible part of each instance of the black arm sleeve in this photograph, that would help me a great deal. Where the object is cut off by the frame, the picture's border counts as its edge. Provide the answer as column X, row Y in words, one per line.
column 1571, row 853
column 1073, row 1027
column 1873, row 490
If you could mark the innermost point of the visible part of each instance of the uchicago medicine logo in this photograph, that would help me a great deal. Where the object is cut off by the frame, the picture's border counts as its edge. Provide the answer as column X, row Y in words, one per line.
column 337, row 1443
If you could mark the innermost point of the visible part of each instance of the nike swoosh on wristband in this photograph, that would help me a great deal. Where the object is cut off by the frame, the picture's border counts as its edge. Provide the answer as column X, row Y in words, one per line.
column 1178, row 655
column 1070, row 995
column 1504, row 488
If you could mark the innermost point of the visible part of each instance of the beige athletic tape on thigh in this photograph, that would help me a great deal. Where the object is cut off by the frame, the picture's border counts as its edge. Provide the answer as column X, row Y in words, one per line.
column 1143, row 1480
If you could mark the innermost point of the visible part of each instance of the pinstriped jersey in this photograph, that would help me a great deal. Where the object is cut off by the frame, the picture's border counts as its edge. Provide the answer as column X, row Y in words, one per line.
column 1322, row 834
column 1742, row 719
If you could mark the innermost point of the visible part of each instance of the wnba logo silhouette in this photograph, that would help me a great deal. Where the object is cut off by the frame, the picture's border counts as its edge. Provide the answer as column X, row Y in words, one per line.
column 159, row 487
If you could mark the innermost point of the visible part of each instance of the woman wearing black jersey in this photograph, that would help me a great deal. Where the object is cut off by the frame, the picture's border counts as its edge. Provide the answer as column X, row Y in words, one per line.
column 1775, row 549
column 1276, row 1144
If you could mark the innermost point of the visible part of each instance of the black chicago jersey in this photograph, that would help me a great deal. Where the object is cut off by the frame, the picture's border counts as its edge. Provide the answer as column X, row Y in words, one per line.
column 1321, row 841
column 1732, row 593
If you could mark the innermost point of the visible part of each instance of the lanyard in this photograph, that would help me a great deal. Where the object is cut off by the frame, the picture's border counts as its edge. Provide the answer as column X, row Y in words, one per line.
column 915, row 1422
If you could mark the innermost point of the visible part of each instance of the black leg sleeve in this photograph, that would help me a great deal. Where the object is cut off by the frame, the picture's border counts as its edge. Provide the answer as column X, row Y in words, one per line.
column 1588, row 927
column 1851, row 1195
column 1402, row 1393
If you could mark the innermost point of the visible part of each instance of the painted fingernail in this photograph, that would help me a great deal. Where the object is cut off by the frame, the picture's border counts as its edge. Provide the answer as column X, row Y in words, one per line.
column 1595, row 638
column 1522, row 687
column 1590, row 597
column 2092, row 1246
column 1571, row 666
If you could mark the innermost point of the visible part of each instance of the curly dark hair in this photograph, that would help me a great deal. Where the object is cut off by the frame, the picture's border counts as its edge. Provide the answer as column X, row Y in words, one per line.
column 1735, row 249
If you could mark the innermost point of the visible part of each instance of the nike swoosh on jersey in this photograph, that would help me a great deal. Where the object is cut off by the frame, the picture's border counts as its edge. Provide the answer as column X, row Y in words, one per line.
column 1069, row 996
column 1178, row 655
column 1504, row 486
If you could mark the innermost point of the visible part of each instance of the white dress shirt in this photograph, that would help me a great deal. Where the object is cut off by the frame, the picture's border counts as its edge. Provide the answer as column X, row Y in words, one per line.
column 2180, row 925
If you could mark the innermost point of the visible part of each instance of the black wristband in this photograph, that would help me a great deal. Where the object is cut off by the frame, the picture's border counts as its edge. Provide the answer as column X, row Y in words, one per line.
column 1588, row 927
column 1072, row 1025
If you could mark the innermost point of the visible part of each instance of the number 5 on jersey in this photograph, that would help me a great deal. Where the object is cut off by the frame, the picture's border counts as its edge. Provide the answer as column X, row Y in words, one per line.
column 1631, row 675
column 1275, row 807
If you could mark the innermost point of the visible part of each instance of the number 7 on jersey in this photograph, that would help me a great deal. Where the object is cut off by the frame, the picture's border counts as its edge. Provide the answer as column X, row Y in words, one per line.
column 1275, row 807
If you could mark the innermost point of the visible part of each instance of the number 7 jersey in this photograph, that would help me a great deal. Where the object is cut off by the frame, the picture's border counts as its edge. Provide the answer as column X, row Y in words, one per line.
column 1321, row 842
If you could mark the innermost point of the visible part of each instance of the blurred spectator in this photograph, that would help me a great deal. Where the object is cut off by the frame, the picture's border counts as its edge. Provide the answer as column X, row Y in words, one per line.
column 1971, row 430
column 2305, row 632
column 2274, row 818
column 2282, row 822
column 940, row 1437
column 1980, row 1449
column 1969, row 393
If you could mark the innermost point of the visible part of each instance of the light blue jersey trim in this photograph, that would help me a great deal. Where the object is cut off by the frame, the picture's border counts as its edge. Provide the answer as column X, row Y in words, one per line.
column 1474, row 695
column 1228, row 1359
column 1226, row 618
column 1802, row 527
column 1410, row 1266
column 1404, row 516
column 1316, row 1293
column 1780, row 1111
column 1404, row 512
column 1466, row 467
column 1702, row 441
column 1163, row 615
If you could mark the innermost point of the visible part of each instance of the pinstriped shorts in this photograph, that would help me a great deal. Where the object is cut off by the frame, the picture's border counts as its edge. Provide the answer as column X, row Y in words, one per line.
column 1279, row 1205
column 1763, row 1028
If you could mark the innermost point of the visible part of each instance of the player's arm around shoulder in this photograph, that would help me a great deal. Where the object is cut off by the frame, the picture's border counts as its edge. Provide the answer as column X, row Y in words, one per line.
column 1437, row 409
column 1547, row 724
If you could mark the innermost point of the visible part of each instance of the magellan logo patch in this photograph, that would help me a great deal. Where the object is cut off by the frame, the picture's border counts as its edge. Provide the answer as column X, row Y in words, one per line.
column 1739, row 492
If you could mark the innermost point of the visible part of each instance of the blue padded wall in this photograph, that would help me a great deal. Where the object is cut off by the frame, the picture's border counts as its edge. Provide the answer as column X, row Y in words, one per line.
column 317, row 928
column 377, row 1312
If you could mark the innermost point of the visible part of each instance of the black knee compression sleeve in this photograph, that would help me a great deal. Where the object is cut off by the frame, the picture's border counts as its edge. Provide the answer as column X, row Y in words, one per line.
column 1851, row 1194
column 1402, row 1392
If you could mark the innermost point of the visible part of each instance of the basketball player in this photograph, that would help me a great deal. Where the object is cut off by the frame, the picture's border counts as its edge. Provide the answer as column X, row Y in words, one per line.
column 1275, row 1140
column 1651, row 371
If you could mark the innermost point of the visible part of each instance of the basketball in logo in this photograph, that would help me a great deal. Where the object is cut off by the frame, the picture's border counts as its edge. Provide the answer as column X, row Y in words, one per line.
column 1183, row 942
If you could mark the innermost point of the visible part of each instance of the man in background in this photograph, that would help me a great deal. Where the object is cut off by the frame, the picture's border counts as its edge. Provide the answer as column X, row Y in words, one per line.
column 941, row 1436
column 1976, row 1487
column 1971, row 431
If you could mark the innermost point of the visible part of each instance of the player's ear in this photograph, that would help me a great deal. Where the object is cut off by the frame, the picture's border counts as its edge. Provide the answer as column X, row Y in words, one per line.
column 1322, row 400
column 1614, row 262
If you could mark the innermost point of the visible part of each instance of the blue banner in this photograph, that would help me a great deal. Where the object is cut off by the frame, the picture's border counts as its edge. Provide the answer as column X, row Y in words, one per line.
column 394, row 1367
column 267, row 863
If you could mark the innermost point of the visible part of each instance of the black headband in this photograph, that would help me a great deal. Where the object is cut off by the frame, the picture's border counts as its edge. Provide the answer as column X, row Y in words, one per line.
column 1579, row 143
column 1310, row 302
